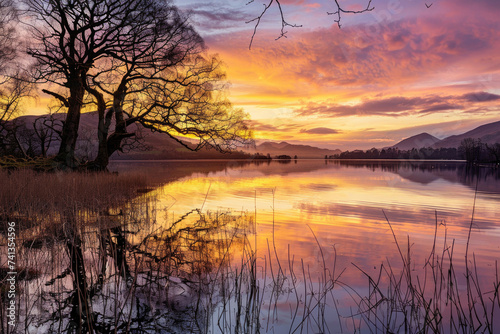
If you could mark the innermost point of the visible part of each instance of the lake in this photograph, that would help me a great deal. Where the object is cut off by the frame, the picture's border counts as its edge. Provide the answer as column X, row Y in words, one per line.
column 352, row 220
column 292, row 246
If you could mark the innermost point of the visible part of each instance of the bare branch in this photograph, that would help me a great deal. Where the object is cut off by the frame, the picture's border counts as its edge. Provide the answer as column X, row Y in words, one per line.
column 340, row 10
column 257, row 20
column 57, row 96
column 284, row 23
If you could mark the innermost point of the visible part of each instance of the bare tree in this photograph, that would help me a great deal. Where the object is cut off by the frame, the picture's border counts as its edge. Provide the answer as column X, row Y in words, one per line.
column 160, row 40
column 471, row 149
column 7, row 33
column 12, row 92
column 494, row 151
column 47, row 130
column 122, row 53
column 10, row 89
column 69, row 42
column 184, row 97
column 14, row 85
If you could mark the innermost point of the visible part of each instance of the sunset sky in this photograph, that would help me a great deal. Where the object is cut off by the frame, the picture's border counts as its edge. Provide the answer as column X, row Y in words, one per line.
column 388, row 74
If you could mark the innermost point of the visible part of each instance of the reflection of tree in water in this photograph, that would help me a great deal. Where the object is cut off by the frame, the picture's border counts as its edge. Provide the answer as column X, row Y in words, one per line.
column 470, row 174
column 425, row 172
column 123, row 270
column 128, row 269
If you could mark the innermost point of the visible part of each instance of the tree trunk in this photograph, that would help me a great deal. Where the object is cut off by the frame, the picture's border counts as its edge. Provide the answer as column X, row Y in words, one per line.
column 69, row 134
column 114, row 142
column 108, row 144
column 118, row 97
column 102, row 159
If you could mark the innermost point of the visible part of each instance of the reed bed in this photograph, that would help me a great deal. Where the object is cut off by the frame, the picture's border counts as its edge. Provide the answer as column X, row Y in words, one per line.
column 437, row 297
column 27, row 191
column 96, row 254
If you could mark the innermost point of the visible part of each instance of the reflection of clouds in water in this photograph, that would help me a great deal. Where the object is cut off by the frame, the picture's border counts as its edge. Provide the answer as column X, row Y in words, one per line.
column 344, row 198
column 319, row 186
column 401, row 215
column 255, row 192
column 394, row 173
column 340, row 248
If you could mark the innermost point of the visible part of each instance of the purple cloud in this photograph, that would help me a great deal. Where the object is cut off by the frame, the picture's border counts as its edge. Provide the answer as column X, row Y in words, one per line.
column 320, row 131
column 398, row 105
column 261, row 126
column 480, row 97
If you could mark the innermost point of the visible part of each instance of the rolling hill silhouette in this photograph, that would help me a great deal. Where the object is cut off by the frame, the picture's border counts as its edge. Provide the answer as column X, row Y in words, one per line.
column 487, row 133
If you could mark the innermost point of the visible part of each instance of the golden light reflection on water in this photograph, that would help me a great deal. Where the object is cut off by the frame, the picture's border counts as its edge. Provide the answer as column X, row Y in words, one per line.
column 345, row 207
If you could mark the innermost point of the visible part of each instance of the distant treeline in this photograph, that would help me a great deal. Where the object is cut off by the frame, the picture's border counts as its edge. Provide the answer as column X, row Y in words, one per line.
column 395, row 153
column 259, row 156
column 471, row 150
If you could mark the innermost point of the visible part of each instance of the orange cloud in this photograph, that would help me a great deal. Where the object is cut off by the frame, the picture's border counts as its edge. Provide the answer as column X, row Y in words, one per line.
column 363, row 58
column 420, row 66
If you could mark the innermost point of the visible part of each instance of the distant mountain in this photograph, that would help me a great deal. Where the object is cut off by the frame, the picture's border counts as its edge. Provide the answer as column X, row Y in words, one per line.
column 418, row 141
column 284, row 148
column 488, row 133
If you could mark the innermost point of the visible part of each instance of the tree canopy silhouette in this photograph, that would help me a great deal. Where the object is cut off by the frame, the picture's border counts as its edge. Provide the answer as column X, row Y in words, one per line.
column 138, row 61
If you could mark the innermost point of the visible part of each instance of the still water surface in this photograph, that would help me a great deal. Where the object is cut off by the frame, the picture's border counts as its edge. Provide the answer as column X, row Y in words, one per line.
column 345, row 204
column 349, row 207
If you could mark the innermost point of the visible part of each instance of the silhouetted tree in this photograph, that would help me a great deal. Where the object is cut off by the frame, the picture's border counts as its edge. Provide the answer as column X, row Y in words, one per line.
column 12, row 92
column 68, row 39
column 494, row 152
column 13, row 84
column 137, row 61
column 471, row 149
column 7, row 34
column 394, row 153
column 47, row 131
